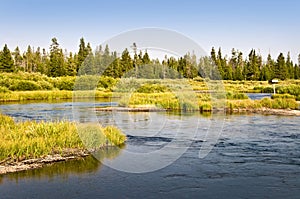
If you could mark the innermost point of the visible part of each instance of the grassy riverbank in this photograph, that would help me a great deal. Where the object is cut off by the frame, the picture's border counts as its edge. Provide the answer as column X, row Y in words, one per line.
column 171, row 94
column 30, row 139
column 17, row 96
column 170, row 101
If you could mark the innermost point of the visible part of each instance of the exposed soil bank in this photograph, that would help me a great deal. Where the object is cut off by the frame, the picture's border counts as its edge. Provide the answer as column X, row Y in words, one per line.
column 268, row 111
column 10, row 165
column 130, row 109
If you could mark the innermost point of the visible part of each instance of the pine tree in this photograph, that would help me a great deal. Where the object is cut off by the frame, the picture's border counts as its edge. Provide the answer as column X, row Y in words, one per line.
column 220, row 63
column 126, row 62
column 252, row 66
column 28, row 58
column 297, row 71
column 227, row 68
column 82, row 53
column 146, row 58
column 238, row 72
column 38, row 63
column 106, row 58
column 290, row 67
column 6, row 60
column 271, row 68
column 45, row 61
column 281, row 71
column 71, row 65
column 213, row 55
column 56, row 65
column 18, row 58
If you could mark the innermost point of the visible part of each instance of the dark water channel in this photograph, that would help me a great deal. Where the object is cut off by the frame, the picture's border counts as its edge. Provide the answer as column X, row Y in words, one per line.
column 255, row 156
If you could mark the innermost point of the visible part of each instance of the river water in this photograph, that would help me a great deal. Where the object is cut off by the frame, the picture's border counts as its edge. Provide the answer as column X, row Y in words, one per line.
column 255, row 156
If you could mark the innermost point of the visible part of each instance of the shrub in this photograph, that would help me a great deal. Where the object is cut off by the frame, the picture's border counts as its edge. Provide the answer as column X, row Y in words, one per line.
column 107, row 82
column 4, row 89
column 24, row 85
column 45, row 85
column 267, row 90
column 290, row 89
column 127, row 85
column 206, row 107
column 65, row 83
column 86, row 82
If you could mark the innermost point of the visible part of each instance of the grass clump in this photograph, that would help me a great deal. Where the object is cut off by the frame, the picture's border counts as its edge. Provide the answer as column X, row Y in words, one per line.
column 31, row 139
column 238, row 96
column 283, row 96
column 152, row 88
column 279, row 103
column 114, row 136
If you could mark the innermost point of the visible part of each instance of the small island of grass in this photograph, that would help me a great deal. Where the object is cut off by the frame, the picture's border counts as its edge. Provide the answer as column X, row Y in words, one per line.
column 30, row 144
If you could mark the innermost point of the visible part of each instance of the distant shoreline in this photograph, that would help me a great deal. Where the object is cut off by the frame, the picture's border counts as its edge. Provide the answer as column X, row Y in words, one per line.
column 265, row 111
column 268, row 111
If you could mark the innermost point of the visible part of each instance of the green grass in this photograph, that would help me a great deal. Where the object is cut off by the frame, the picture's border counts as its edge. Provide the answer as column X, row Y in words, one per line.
column 171, row 94
column 51, row 95
column 284, row 96
column 31, row 139
column 113, row 136
column 278, row 103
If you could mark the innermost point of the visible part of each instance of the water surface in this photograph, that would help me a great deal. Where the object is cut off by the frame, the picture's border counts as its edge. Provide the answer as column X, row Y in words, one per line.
column 256, row 156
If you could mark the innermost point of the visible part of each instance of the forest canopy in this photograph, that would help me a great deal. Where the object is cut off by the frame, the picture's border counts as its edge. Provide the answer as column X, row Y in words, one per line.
column 57, row 62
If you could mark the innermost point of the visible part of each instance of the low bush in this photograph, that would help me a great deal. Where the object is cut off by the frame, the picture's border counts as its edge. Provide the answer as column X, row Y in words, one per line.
column 107, row 82
column 4, row 89
column 65, row 83
column 267, row 90
column 24, row 85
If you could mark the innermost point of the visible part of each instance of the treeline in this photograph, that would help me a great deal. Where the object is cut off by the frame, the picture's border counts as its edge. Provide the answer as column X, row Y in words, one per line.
column 58, row 62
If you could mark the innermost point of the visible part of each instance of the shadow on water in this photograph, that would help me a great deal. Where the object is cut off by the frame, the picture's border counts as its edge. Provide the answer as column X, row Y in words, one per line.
column 66, row 169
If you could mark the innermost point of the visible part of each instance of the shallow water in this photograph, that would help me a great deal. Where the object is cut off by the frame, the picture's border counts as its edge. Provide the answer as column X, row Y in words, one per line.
column 255, row 156
column 258, row 96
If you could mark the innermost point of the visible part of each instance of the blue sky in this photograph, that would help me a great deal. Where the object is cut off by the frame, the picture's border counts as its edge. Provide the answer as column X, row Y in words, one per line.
column 265, row 25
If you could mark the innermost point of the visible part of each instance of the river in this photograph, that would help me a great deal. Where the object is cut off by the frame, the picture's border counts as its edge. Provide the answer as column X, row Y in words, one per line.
column 255, row 156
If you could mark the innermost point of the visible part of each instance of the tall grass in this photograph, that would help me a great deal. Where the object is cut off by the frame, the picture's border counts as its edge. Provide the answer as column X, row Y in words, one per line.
column 51, row 95
column 278, row 103
column 113, row 136
column 33, row 139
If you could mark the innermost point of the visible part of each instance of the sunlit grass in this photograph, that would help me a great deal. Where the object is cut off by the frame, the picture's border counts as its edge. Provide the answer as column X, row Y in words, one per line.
column 51, row 95
column 31, row 139
column 278, row 103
